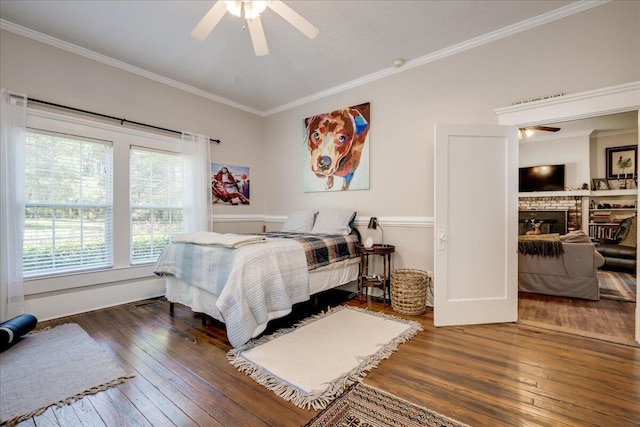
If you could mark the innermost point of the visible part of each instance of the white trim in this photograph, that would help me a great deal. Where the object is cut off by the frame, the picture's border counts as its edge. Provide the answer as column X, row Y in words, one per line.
column 69, row 47
column 400, row 221
column 363, row 221
column 510, row 30
column 53, row 305
column 570, row 193
column 609, row 100
column 84, row 279
column 220, row 219
column 615, row 132
column 605, row 193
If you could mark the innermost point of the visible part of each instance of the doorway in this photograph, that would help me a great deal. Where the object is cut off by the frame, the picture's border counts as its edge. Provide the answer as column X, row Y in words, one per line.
column 581, row 147
column 566, row 113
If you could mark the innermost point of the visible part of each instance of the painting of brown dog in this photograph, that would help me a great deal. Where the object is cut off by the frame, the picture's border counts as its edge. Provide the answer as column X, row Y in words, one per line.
column 334, row 147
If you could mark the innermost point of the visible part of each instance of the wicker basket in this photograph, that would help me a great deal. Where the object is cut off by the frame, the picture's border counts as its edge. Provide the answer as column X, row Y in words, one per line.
column 409, row 291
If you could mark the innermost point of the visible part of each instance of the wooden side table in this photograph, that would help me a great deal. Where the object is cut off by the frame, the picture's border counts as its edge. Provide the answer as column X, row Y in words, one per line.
column 369, row 280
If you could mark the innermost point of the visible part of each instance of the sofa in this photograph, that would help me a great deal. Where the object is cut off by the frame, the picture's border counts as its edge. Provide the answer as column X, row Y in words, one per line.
column 570, row 273
column 620, row 252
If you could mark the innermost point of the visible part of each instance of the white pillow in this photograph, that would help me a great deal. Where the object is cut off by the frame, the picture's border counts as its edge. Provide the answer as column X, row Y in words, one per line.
column 300, row 222
column 334, row 221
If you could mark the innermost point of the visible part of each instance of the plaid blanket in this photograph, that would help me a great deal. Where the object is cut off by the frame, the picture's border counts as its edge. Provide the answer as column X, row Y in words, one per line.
column 320, row 249
column 547, row 245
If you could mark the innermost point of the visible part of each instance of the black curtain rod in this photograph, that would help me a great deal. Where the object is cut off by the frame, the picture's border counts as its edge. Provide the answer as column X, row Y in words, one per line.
column 104, row 116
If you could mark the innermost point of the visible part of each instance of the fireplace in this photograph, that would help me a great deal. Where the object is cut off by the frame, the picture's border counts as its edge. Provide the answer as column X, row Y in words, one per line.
column 550, row 221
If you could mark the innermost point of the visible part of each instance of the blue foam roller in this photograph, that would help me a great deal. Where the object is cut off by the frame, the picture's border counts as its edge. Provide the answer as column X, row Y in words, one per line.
column 12, row 329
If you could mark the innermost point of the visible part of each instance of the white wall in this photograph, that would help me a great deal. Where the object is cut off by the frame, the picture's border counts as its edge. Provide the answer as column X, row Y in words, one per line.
column 573, row 152
column 593, row 49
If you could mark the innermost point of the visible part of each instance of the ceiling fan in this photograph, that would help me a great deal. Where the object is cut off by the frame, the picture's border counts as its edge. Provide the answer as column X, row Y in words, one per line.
column 251, row 10
column 530, row 130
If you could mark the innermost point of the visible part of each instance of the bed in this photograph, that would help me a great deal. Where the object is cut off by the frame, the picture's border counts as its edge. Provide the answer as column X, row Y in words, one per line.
column 245, row 281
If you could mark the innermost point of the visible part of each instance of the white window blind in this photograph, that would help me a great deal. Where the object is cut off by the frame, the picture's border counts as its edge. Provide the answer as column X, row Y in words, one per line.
column 155, row 200
column 69, row 203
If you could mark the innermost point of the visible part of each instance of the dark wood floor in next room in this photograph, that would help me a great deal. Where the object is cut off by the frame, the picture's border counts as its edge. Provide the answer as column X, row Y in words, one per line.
column 485, row 375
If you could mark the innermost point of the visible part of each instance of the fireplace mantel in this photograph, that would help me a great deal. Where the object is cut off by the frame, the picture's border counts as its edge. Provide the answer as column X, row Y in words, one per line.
column 570, row 193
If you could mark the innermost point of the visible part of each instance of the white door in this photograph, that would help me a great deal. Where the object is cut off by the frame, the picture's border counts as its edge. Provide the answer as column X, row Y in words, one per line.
column 476, row 207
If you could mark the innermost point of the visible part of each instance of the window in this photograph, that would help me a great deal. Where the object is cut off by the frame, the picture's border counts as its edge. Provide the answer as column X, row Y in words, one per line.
column 101, row 200
column 68, row 215
column 155, row 200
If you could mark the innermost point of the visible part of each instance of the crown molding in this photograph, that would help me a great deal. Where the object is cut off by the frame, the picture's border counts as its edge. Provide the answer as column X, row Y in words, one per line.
column 69, row 47
column 615, row 132
column 510, row 30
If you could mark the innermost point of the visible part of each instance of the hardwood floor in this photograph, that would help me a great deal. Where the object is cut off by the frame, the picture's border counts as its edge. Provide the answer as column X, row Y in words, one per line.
column 484, row 375
column 605, row 319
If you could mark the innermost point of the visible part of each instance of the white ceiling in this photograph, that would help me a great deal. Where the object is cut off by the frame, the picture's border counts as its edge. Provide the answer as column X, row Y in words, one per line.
column 357, row 43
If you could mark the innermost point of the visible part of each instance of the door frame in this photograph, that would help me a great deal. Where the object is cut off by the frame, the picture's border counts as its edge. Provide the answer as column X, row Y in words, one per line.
column 609, row 100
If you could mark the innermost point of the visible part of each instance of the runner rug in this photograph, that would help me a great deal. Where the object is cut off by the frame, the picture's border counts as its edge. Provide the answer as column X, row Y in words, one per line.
column 53, row 367
column 312, row 363
column 617, row 285
column 363, row 405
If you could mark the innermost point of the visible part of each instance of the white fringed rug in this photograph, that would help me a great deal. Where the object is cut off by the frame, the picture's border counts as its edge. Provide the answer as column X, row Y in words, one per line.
column 53, row 367
column 310, row 364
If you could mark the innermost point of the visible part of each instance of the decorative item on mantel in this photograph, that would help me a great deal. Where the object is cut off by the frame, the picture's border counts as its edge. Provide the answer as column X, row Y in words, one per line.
column 600, row 184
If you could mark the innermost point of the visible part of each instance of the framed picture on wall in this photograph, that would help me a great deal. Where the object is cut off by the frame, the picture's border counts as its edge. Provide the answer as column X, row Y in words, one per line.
column 622, row 162
column 230, row 184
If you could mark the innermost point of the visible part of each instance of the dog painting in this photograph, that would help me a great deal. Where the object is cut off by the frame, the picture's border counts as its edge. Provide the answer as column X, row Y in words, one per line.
column 336, row 147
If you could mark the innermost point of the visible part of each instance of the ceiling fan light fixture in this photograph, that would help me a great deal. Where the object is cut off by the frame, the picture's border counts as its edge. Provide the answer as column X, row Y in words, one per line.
column 234, row 7
column 528, row 133
column 249, row 9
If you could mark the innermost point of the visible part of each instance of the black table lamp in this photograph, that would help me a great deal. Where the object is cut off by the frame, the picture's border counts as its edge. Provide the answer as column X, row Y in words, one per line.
column 374, row 224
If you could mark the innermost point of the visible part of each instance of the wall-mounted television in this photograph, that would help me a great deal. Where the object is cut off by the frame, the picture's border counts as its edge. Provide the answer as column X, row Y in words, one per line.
column 541, row 178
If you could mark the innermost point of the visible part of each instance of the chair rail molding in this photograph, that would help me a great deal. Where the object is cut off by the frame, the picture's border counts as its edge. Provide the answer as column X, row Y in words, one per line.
column 388, row 221
column 225, row 218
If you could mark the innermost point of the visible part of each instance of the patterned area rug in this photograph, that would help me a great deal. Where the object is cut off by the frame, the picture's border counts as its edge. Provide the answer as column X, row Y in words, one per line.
column 366, row 406
column 617, row 285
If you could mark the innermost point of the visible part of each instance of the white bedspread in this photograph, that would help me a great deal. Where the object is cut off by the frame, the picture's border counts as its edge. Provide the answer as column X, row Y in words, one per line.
column 251, row 282
column 210, row 238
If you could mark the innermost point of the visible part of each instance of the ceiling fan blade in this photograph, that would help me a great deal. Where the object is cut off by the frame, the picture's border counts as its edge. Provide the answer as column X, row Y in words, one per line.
column 257, row 36
column 294, row 18
column 209, row 21
column 545, row 128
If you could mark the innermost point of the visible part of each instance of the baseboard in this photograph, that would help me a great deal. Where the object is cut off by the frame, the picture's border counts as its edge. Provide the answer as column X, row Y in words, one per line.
column 54, row 305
